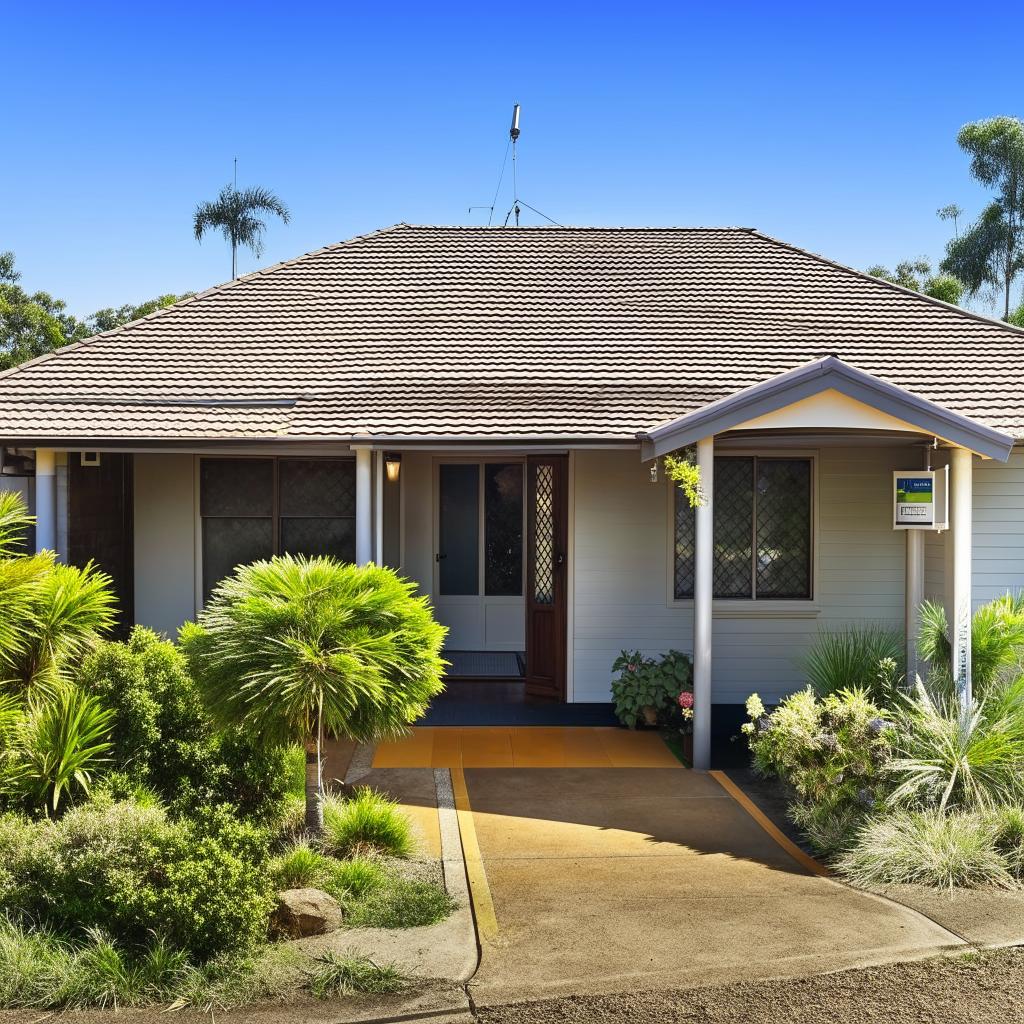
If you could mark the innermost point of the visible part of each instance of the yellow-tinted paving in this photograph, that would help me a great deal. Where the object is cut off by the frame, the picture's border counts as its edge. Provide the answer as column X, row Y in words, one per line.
column 528, row 747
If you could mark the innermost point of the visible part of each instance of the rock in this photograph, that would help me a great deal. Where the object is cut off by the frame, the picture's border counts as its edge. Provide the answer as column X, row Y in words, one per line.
column 302, row 912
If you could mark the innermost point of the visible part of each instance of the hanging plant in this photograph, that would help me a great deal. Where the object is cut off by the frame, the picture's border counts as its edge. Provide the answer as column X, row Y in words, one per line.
column 682, row 469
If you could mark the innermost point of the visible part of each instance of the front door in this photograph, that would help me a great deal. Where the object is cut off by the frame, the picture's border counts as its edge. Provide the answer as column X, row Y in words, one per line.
column 100, row 522
column 547, row 529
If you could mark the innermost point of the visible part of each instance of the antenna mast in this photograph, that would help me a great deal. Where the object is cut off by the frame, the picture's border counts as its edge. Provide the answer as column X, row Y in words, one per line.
column 513, row 134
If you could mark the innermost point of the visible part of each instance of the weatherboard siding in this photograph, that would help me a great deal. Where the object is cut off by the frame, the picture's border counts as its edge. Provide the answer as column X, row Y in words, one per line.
column 622, row 564
column 998, row 528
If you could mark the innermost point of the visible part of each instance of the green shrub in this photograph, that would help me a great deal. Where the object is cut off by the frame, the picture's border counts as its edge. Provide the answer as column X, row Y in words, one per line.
column 997, row 641
column 357, row 877
column 40, row 970
column 833, row 753
column 333, row 975
column 366, row 822
column 928, row 848
column 128, row 869
column 61, row 743
column 867, row 658
column 301, row 866
column 164, row 740
column 648, row 682
column 396, row 903
column 946, row 757
column 1009, row 824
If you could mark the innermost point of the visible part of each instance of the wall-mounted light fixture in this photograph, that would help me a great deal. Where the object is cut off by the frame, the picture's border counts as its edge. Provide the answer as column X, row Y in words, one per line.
column 654, row 471
column 392, row 466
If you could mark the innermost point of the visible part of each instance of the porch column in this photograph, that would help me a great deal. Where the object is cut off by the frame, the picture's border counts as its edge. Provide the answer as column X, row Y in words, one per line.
column 378, row 509
column 703, row 588
column 364, row 506
column 46, row 500
column 961, row 468
column 914, row 598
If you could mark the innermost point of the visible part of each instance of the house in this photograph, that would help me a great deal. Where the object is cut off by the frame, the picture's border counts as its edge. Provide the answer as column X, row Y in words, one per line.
column 486, row 410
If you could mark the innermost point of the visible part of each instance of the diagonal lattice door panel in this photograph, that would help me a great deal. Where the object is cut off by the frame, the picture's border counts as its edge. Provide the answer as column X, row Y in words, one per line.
column 783, row 566
column 685, row 549
column 544, row 536
column 734, row 526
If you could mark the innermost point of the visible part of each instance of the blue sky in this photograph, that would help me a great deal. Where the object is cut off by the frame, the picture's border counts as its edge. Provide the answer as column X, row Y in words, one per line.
column 832, row 129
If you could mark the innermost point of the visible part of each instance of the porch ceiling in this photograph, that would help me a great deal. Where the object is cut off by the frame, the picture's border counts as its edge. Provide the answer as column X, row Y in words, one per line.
column 827, row 394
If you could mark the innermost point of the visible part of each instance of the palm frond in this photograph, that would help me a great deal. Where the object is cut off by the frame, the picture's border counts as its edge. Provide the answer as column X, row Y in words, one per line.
column 15, row 522
column 235, row 214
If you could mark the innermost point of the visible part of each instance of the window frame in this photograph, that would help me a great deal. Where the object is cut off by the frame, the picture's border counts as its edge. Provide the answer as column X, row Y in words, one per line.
column 275, row 458
column 752, row 607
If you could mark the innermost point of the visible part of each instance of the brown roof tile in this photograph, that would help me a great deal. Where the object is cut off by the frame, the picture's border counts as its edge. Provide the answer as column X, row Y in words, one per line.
column 586, row 333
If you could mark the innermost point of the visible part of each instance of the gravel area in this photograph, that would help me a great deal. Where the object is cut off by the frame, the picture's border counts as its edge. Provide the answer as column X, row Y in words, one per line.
column 979, row 987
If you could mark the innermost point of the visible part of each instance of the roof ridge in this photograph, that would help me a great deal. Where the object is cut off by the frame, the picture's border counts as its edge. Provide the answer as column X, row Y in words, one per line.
column 881, row 281
column 212, row 290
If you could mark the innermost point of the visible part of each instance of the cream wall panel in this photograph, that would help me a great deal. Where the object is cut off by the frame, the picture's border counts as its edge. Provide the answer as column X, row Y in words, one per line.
column 165, row 540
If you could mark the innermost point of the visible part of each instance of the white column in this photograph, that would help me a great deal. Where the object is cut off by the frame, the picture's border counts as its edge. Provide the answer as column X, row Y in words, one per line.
column 703, row 586
column 914, row 598
column 46, row 500
column 378, row 509
column 364, row 511
column 961, row 467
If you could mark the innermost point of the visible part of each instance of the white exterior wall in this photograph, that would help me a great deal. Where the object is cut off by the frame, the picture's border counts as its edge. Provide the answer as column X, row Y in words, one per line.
column 165, row 541
column 622, row 565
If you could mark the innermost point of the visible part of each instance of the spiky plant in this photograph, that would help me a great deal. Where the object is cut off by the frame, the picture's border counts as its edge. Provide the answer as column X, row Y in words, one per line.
column 236, row 215
column 997, row 640
column 949, row 756
column 52, row 613
column 867, row 658
column 61, row 744
column 295, row 648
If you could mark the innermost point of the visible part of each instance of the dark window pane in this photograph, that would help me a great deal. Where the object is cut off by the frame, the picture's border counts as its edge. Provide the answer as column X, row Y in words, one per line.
column 321, row 536
column 317, row 487
column 459, row 529
column 236, row 487
column 228, row 543
column 783, row 528
column 684, row 548
column 503, row 530
column 734, row 512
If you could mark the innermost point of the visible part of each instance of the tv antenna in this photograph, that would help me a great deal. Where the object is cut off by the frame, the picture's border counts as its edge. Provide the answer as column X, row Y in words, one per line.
column 517, row 203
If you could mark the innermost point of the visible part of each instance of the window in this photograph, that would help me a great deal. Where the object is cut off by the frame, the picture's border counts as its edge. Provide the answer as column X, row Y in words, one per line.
column 256, row 508
column 762, row 529
column 480, row 501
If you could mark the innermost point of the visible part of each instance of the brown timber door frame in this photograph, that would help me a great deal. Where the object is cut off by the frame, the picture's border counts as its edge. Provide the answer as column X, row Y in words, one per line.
column 547, row 553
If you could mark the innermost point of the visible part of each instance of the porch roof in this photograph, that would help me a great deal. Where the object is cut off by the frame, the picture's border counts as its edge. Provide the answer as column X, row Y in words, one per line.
column 531, row 335
column 896, row 407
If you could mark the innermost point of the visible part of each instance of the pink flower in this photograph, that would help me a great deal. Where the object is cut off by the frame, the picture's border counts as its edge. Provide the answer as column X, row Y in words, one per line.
column 686, row 700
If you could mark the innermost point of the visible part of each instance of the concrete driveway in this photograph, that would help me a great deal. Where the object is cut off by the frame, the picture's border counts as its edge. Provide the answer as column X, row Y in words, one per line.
column 613, row 879
column 597, row 863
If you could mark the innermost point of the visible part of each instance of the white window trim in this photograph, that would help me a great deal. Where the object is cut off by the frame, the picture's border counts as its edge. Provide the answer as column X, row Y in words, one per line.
column 751, row 607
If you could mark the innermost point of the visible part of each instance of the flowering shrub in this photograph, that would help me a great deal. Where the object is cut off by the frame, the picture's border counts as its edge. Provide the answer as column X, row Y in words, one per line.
column 834, row 754
column 649, row 682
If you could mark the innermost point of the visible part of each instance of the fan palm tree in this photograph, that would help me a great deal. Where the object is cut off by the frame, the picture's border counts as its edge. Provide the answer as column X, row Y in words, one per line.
column 236, row 215
column 295, row 648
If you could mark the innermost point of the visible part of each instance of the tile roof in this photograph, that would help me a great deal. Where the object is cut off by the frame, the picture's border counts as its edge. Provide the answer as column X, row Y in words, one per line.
column 524, row 334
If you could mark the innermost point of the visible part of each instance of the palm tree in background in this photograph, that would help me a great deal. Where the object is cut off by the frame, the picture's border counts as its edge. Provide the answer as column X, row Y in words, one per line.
column 237, row 215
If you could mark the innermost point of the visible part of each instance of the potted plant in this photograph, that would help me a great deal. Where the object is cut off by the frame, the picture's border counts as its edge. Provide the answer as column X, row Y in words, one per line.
column 645, row 688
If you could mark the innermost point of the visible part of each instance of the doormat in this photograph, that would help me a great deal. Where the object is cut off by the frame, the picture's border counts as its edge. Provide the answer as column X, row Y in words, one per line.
column 484, row 664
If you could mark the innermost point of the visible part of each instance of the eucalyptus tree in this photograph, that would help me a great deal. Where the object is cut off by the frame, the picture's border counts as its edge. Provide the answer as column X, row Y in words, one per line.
column 237, row 215
column 296, row 649
column 991, row 251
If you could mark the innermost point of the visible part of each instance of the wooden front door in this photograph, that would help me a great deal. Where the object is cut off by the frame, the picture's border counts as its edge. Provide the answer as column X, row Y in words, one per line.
column 100, row 523
column 547, row 532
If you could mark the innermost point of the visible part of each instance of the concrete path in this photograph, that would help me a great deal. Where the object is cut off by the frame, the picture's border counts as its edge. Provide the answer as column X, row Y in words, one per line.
column 612, row 879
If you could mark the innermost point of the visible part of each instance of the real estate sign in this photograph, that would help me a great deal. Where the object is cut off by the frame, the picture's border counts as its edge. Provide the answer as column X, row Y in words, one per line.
column 914, row 498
